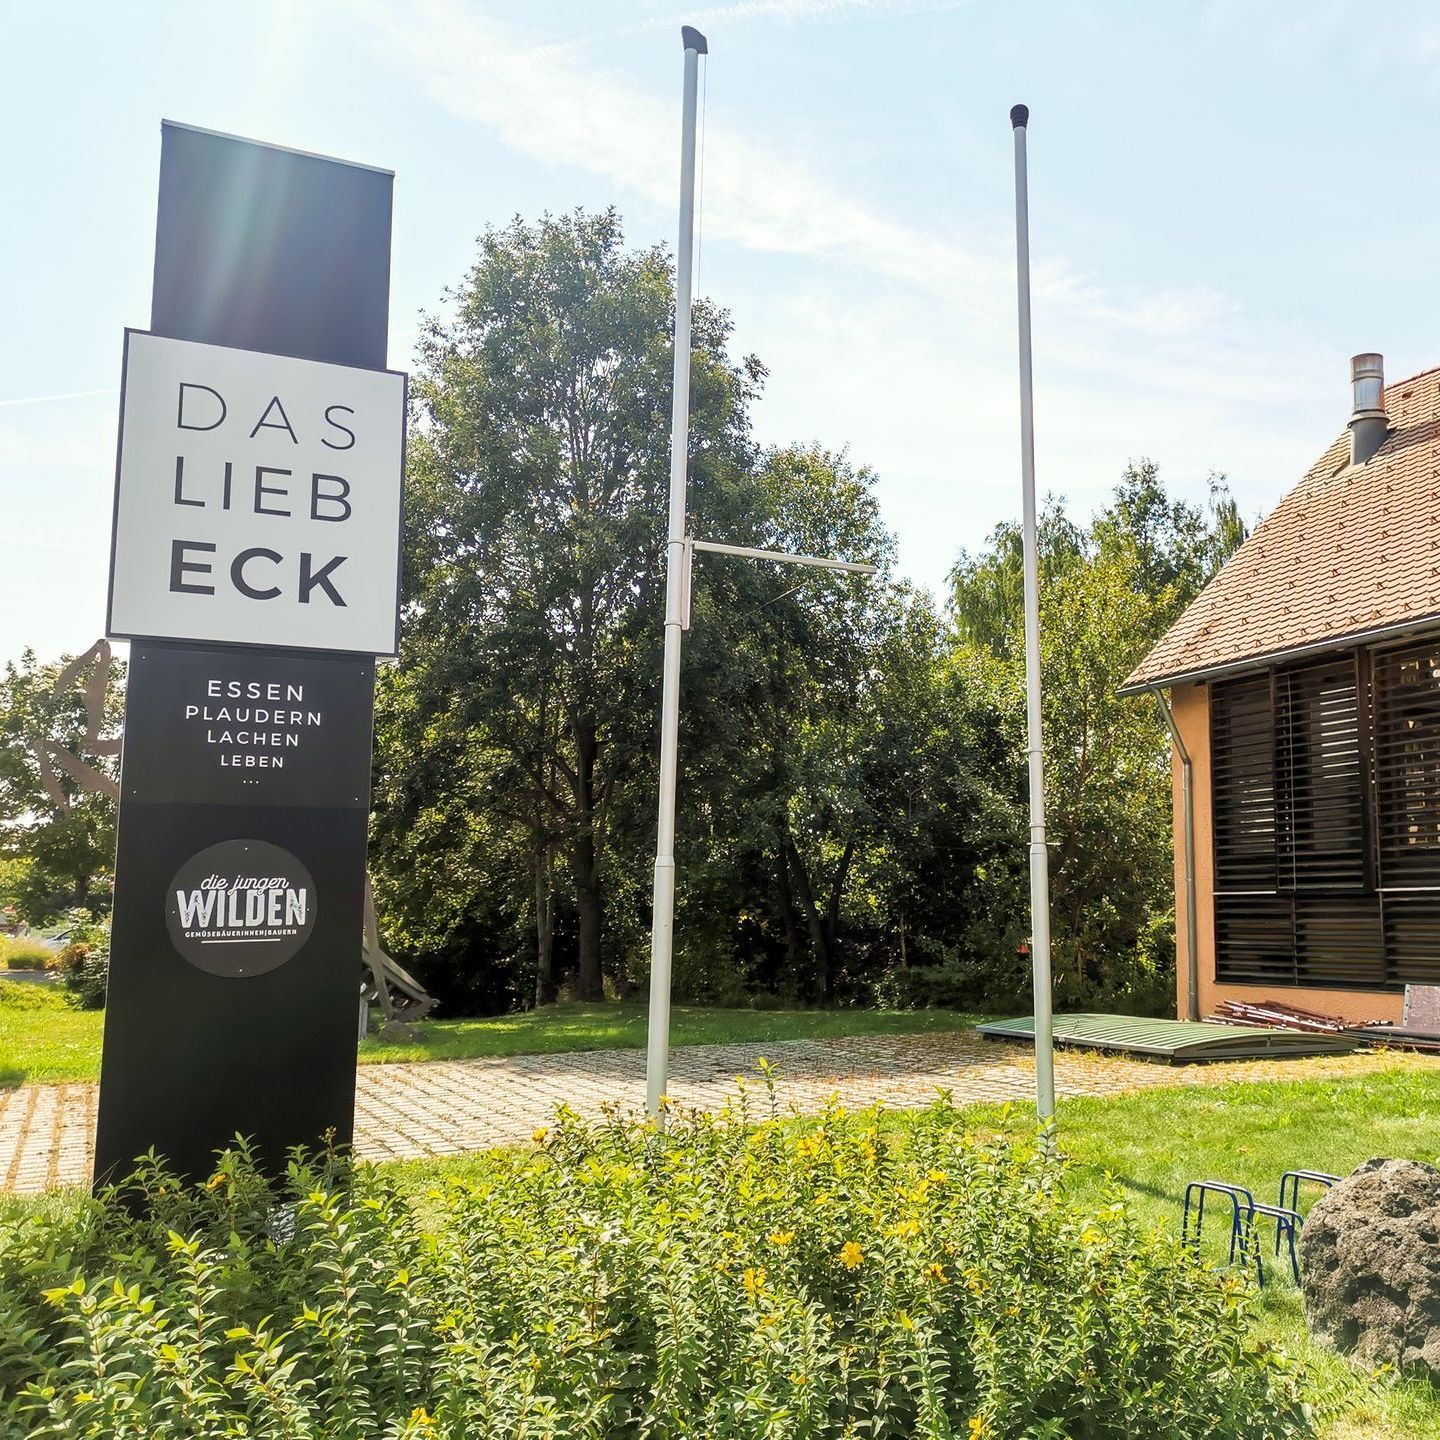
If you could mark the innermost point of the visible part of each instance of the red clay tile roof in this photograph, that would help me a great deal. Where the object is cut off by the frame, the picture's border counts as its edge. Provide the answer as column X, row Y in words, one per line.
column 1350, row 550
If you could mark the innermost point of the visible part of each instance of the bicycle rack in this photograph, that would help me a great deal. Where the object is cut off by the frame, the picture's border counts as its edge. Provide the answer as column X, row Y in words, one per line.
column 1291, row 1181
column 1287, row 1223
column 1245, row 1211
column 1199, row 1189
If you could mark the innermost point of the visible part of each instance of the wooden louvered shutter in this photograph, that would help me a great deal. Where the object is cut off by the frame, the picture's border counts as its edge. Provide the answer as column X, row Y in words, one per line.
column 1407, row 766
column 1254, row 924
column 1320, row 731
column 1317, row 725
column 1288, row 757
column 1407, row 808
column 1242, row 761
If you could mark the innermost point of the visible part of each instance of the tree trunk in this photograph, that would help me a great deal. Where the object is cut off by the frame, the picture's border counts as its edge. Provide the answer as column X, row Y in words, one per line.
column 824, row 928
column 590, row 984
column 544, row 930
column 837, row 893
column 787, row 903
column 814, row 922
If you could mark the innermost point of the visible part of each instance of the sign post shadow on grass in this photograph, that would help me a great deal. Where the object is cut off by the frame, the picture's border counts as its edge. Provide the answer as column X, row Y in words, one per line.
column 255, row 570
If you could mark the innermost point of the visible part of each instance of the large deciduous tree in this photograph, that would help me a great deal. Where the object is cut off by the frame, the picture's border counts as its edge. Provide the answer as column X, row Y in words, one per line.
column 834, row 816
column 538, row 473
column 1108, row 591
column 851, row 771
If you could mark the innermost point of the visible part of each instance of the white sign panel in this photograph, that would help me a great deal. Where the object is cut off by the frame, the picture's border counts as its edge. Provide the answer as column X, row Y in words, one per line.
column 257, row 499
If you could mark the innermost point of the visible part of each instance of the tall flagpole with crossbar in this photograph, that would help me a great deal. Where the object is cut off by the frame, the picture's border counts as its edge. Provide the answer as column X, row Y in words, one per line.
column 663, row 916
column 680, row 552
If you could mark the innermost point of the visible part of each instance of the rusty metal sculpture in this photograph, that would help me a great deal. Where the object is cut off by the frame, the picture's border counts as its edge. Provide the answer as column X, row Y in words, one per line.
column 94, row 667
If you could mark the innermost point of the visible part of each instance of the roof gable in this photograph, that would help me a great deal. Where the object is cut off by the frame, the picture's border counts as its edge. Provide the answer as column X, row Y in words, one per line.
column 1350, row 551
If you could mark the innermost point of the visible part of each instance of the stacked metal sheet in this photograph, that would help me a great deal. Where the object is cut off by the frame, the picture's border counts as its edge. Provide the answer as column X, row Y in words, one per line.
column 1178, row 1041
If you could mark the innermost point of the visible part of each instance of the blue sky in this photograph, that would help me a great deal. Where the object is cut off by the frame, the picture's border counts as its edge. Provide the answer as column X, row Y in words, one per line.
column 1228, row 199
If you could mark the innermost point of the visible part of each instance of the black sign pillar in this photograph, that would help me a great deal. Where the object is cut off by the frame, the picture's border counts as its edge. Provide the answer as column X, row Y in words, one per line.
column 245, row 785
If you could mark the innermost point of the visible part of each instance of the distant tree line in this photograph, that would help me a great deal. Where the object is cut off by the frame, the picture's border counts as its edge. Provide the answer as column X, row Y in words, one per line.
column 852, row 790
column 852, row 785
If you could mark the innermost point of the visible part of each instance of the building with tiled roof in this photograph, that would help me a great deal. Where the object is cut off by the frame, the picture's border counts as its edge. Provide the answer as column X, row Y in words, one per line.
column 1303, row 687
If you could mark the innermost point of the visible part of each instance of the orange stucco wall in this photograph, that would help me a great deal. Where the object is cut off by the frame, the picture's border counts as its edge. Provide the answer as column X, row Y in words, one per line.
column 1190, row 705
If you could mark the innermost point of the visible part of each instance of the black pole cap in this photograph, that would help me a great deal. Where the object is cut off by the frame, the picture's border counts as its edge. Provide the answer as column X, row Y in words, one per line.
column 694, row 40
column 1019, row 114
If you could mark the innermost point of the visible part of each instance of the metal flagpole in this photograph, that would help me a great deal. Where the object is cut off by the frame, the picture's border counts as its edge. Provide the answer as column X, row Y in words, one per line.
column 662, row 924
column 1039, row 855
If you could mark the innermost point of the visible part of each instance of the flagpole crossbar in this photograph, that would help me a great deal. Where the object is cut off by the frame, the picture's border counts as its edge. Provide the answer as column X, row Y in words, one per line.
column 783, row 557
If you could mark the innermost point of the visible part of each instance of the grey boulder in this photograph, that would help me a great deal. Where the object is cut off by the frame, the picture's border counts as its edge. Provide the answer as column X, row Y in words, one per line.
column 1370, row 1265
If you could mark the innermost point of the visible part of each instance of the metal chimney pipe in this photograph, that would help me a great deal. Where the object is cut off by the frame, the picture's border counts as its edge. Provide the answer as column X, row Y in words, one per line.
column 1368, row 423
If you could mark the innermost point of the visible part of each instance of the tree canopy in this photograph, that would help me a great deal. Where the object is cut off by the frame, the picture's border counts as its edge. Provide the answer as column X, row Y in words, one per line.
column 57, row 830
column 852, row 754
column 852, row 757
column 1108, row 591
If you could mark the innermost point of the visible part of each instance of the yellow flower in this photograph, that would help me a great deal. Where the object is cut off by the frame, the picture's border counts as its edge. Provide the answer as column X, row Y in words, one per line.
column 869, row 1151
column 936, row 1272
column 754, row 1281
column 781, row 1238
column 979, row 1428
column 808, row 1144
column 907, row 1228
column 538, row 1135
column 938, row 1177
column 851, row 1255
column 977, row 1282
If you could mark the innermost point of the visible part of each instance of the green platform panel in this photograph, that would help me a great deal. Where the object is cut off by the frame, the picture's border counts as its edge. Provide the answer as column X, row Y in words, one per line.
column 1178, row 1041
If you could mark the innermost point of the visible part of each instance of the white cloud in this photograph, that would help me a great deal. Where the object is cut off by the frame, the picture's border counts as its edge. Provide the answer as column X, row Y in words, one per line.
column 548, row 105
column 544, row 103
column 903, row 341
column 786, row 12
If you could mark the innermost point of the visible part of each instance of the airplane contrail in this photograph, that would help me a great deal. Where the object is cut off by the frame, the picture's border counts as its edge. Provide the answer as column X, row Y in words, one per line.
column 45, row 399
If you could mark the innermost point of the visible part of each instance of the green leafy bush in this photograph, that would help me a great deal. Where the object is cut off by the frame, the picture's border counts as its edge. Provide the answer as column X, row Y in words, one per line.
column 21, row 952
column 22, row 995
column 986, row 975
column 842, row 1276
column 86, row 973
column 85, row 960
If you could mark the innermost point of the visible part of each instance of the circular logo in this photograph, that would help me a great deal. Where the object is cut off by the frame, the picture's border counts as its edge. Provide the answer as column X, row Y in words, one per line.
column 240, row 908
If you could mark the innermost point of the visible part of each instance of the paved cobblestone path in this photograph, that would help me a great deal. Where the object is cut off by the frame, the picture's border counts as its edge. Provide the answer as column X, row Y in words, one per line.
column 449, row 1107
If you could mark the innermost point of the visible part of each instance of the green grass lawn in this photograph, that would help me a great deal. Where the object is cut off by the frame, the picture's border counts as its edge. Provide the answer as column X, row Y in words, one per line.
column 44, row 1041
column 1152, row 1144
column 620, row 1026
